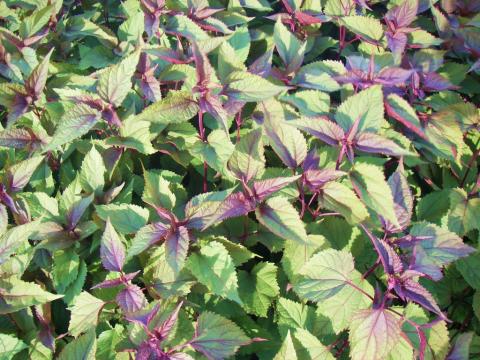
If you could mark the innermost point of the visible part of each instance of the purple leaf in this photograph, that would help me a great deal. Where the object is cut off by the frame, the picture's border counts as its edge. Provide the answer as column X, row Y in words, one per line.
column 20, row 106
column 144, row 316
column 148, row 236
column 402, row 197
column 176, row 247
column 393, row 76
column 376, row 144
column 397, row 42
column 116, row 282
column 312, row 160
column 38, row 78
column 435, row 82
column 236, row 204
column 322, row 128
column 131, row 299
column 45, row 335
column 411, row 290
column 391, row 262
column 404, row 14
column 461, row 348
column 164, row 329
column 264, row 188
column 315, row 179
column 112, row 250
column 77, row 210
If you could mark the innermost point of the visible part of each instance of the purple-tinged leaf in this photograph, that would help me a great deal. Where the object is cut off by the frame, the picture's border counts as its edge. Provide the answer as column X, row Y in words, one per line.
column 217, row 337
column 112, row 250
column 144, row 316
column 440, row 246
column 164, row 329
column 236, row 204
column 399, row 109
column 393, row 76
column 38, row 78
column 377, row 144
column 404, row 14
column 373, row 334
column 315, row 179
column 45, row 335
column 262, row 66
column 402, row 198
column 20, row 106
column 116, row 282
column 264, row 188
column 77, row 210
column 202, row 66
column 461, row 348
column 397, row 42
column 409, row 289
column 131, row 299
column 19, row 174
column 20, row 139
column 176, row 247
column 435, row 82
column 202, row 209
column 391, row 262
column 322, row 128
column 248, row 160
column 148, row 236
column 312, row 160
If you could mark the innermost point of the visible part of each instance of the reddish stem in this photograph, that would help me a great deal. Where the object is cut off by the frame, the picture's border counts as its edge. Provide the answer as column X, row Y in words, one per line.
column 201, row 129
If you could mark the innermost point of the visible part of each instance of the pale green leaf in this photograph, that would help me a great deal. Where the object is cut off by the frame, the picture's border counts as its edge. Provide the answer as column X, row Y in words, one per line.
column 85, row 311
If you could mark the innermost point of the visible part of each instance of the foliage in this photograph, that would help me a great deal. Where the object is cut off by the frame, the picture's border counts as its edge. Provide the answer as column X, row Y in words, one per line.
column 208, row 179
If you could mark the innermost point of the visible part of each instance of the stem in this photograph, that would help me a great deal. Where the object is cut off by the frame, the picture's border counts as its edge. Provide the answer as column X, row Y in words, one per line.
column 238, row 121
column 201, row 129
column 371, row 270
column 359, row 289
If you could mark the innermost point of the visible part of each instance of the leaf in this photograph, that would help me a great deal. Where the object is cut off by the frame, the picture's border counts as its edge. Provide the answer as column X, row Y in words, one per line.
column 65, row 269
column 367, row 106
column 146, row 237
column 115, row 82
column 373, row 334
column 376, row 144
column 319, row 75
column 76, row 122
column 402, row 197
column 440, row 247
column 125, row 218
column 324, row 275
column 258, row 288
column 369, row 183
column 131, row 298
column 248, row 87
column 287, row 142
column 217, row 337
column 290, row 49
column 35, row 83
column 248, row 160
column 182, row 25
column 18, row 294
column 19, row 174
column 287, row 350
column 461, row 348
column 176, row 247
column 214, row 268
column 464, row 212
column 367, row 28
column 92, row 172
column 176, row 107
column 469, row 269
column 82, row 348
column 85, row 311
column 112, row 250
column 322, row 128
column 412, row 290
column 10, row 346
column 310, row 347
column 15, row 238
column 338, row 197
column 157, row 192
column 282, row 219
column 399, row 109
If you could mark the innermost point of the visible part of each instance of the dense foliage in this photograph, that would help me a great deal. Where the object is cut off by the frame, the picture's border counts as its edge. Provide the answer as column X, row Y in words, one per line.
column 191, row 179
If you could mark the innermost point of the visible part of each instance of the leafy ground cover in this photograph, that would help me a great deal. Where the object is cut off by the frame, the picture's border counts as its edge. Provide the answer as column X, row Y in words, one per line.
column 247, row 179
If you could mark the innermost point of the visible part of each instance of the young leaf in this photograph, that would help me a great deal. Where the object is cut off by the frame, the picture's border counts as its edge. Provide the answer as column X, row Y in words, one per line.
column 176, row 247
column 248, row 160
column 290, row 49
column 112, row 250
column 92, row 172
column 287, row 350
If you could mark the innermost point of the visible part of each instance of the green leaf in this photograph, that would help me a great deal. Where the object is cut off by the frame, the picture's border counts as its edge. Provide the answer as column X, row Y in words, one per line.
column 370, row 184
column 107, row 343
column 338, row 197
column 282, row 219
column 217, row 337
column 366, row 105
column 19, row 174
column 341, row 307
column 464, row 214
column 82, row 348
column 369, row 28
column 65, row 269
column 10, row 345
column 248, row 87
column 92, row 172
column 85, row 311
column 319, row 75
column 14, row 238
column 125, row 218
column 182, row 25
column 309, row 102
column 290, row 49
column 214, row 268
column 470, row 270
column 75, row 123
column 373, row 334
column 258, row 288
column 248, row 160
column 324, row 275
column 287, row 351
column 35, row 22
column 157, row 191
column 18, row 294
column 309, row 347
column 176, row 107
